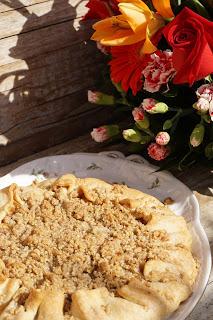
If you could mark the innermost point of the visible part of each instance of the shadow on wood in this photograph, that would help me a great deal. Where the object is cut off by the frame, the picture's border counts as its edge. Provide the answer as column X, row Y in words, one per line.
column 45, row 71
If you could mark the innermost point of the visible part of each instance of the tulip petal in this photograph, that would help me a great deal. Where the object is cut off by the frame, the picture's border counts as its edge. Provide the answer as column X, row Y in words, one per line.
column 163, row 7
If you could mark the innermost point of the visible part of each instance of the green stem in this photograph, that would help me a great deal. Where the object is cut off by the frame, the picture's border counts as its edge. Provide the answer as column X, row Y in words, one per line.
column 184, row 158
column 124, row 102
column 148, row 131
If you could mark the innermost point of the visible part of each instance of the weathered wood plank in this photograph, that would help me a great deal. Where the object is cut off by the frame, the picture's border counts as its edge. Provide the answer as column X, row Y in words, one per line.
column 9, row 5
column 45, row 71
column 50, row 69
column 32, row 98
column 48, row 115
column 37, row 16
column 37, row 42
column 54, row 135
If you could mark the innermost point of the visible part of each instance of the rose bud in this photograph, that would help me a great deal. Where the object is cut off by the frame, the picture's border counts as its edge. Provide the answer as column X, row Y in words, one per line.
column 141, row 119
column 152, row 106
column 100, row 98
column 157, row 152
column 162, row 138
column 197, row 135
column 104, row 133
column 209, row 151
column 132, row 135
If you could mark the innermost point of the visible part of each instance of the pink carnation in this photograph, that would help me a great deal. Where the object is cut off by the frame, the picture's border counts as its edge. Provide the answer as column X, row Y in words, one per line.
column 162, row 138
column 148, row 104
column 157, row 152
column 100, row 134
column 93, row 96
column 158, row 71
column 205, row 99
column 138, row 114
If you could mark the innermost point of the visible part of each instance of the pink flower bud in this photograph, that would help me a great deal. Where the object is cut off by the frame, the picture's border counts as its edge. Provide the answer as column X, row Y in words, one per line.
column 138, row 114
column 202, row 105
column 152, row 106
column 205, row 91
column 162, row 138
column 100, row 98
column 99, row 134
column 148, row 104
column 157, row 152
column 205, row 99
column 93, row 96
column 104, row 133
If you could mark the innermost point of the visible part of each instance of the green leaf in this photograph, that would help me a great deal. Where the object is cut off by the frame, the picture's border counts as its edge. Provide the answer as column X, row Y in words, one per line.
column 167, row 125
column 209, row 78
column 197, row 6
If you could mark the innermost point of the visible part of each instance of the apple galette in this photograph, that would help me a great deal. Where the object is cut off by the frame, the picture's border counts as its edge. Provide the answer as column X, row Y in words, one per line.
column 82, row 249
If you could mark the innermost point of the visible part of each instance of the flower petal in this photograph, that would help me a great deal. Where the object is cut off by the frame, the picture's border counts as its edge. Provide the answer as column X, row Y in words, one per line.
column 113, row 36
column 137, row 13
column 163, row 7
column 152, row 27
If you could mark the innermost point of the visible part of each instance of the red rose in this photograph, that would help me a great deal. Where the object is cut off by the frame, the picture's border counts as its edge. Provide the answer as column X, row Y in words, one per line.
column 191, row 37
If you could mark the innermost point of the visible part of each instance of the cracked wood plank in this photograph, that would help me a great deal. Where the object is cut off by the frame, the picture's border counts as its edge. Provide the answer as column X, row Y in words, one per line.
column 46, row 67
column 38, row 16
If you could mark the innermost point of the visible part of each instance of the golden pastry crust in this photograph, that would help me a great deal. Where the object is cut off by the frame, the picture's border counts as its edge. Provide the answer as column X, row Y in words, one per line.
column 89, row 240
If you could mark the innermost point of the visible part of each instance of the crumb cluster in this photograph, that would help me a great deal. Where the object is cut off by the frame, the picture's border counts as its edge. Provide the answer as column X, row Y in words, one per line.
column 56, row 237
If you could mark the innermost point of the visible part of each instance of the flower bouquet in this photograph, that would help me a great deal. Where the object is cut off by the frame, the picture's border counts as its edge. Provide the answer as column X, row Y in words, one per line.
column 160, row 57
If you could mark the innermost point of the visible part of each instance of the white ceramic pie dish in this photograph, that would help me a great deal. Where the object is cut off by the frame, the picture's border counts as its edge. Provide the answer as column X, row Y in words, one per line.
column 136, row 173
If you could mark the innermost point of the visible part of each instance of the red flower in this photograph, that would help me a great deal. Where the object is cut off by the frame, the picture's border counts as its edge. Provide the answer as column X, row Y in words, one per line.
column 101, row 9
column 191, row 37
column 127, row 65
column 157, row 152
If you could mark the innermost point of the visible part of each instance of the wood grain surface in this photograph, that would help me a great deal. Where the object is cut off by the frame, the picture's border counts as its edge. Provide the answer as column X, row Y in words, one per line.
column 47, row 63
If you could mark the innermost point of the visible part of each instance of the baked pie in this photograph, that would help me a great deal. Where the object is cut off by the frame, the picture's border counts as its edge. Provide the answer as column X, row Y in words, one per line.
column 82, row 249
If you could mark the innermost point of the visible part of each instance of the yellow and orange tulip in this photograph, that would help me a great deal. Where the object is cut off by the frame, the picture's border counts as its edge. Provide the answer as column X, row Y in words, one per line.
column 135, row 23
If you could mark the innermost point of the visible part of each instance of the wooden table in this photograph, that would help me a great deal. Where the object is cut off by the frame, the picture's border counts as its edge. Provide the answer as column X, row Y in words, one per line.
column 199, row 179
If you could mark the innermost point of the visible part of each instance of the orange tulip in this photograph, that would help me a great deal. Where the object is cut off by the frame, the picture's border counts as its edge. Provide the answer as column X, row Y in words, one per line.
column 135, row 23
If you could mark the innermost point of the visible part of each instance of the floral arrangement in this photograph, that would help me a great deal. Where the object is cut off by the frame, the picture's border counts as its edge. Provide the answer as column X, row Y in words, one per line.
column 160, row 57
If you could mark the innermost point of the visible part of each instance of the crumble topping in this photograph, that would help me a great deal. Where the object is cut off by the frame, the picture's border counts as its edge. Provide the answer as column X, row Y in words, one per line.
column 56, row 237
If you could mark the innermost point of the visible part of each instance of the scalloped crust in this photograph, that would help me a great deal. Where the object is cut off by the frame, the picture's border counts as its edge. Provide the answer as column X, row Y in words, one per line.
column 150, row 299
